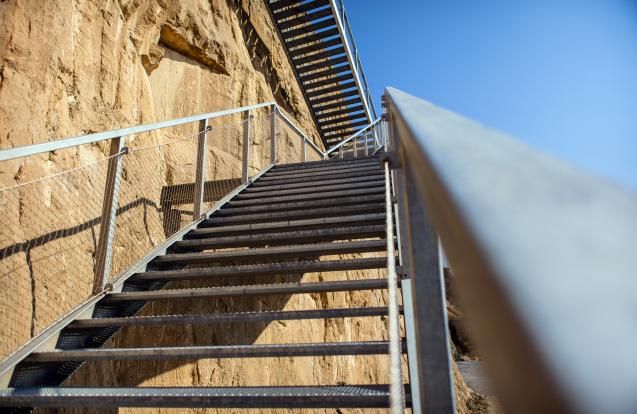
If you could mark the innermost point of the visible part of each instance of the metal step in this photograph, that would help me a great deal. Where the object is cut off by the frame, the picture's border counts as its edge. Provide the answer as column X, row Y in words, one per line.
column 266, row 269
column 231, row 210
column 277, row 253
column 235, row 317
column 250, row 290
column 273, row 176
column 214, row 351
column 249, row 193
column 282, row 180
column 304, row 236
column 294, row 215
column 315, row 183
column 310, row 196
column 287, row 225
column 330, row 163
column 320, row 396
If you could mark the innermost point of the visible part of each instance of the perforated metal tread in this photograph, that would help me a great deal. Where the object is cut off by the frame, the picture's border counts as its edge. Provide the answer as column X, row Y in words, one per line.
column 287, row 225
column 232, row 210
column 296, row 214
column 335, row 176
column 309, row 196
column 265, row 269
column 234, row 317
column 318, row 183
column 250, row 290
column 330, row 161
column 336, row 396
column 284, row 175
column 215, row 351
column 311, row 250
column 258, row 193
column 287, row 238
column 318, row 170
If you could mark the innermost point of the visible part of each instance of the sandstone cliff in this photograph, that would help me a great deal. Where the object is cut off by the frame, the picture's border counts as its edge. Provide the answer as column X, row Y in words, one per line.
column 75, row 67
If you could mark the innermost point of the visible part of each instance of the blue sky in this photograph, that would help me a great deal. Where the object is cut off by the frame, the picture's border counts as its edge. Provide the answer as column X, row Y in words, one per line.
column 560, row 75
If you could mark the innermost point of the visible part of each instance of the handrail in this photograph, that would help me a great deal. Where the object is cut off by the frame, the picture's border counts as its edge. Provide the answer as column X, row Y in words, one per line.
column 298, row 130
column 543, row 254
column 356, row 134
column 338, row 9
column 24, row 151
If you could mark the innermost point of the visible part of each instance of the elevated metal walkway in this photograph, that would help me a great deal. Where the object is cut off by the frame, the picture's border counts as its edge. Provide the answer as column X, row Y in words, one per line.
column 321, row 48
column 279, row 232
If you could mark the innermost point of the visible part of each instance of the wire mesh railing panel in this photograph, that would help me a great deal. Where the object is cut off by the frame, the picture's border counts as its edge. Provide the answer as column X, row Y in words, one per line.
column 260, row 140
column 289, row 143
column 224, row 153
column 156, row 197
column 50, row 261
column 50, row 228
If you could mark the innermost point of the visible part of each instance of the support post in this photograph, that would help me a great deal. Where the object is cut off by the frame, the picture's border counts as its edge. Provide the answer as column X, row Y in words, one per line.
column 104, row 252
column 245, row 162
column 426, row 326
column 304, row 153
column 200, row 173
column 273, row 133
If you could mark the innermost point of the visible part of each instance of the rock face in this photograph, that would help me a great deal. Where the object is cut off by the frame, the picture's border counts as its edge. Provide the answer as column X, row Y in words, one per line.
column 69, row 68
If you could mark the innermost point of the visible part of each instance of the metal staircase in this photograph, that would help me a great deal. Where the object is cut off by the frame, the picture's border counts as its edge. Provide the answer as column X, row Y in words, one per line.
column 280, row 224
column 318, row 40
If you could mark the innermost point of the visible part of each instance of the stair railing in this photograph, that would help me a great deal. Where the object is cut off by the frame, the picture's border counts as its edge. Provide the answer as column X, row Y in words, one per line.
column 544, row 257
column 362, row 143
column 157, row 206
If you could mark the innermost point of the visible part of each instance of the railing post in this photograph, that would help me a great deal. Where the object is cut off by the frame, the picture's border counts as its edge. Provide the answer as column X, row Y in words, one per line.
column 304, row 153
column 200, row 173
column 424, row 299
column 340, row 151
column 367, row 144
column 354, row 147
column 273, row 133
column 245, row 161
column 104, row 252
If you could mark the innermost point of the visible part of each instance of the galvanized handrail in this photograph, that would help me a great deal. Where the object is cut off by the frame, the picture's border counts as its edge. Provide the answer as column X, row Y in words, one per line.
column 24, row 151
column 353, row 56
column 543, row 254
column 353, row 136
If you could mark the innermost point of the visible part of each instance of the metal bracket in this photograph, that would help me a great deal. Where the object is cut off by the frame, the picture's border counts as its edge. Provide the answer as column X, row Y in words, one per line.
column 392, row 158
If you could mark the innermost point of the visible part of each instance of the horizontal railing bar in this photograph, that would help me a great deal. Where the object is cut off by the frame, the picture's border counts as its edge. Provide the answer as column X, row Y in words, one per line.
column 24, row 151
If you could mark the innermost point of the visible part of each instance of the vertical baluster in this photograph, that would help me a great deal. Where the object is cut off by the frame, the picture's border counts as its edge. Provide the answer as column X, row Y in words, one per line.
column 200, row 174
column 103, row 255
column 245, row 174
column 273, row 134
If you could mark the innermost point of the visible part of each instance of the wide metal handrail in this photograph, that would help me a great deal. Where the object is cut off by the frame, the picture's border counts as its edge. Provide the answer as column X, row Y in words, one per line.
column 544, row 256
